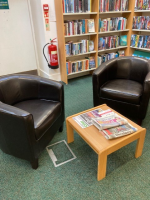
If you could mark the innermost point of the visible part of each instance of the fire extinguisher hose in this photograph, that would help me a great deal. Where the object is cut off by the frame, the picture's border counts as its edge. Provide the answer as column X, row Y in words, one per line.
column 44, row 54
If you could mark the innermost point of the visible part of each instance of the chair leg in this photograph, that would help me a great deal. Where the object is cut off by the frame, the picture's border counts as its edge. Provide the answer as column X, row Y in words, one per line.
column 139, row 122
column 34, row 164
column 61, row 128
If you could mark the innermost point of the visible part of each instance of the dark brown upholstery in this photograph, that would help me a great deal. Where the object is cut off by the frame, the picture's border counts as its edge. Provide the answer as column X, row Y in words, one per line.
column 123, row 84
column 31, row 112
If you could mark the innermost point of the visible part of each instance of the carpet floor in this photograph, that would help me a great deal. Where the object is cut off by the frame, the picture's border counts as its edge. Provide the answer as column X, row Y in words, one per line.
column 127, row 178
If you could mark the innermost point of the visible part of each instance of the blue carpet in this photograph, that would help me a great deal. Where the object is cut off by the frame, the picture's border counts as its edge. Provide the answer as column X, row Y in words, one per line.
column 127, row 178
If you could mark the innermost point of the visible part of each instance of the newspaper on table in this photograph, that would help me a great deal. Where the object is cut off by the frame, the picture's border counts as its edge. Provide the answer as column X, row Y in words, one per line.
column 85, row 119
column 108, row 119
column 119, row 131
column 112, row 125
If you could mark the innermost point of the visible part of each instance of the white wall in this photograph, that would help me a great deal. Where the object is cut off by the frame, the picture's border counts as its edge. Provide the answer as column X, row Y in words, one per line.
column 17, row 53
column 42, row 36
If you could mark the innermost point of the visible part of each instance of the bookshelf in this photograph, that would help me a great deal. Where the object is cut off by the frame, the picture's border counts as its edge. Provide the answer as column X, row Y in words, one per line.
column 142, row 11
column 81, row 54
column 114, row 12
column 86, row 13
column 94, row 14
column 112, row 49
column 79, row 35
column 139, row 31
column 141, row 49
column 112, row 32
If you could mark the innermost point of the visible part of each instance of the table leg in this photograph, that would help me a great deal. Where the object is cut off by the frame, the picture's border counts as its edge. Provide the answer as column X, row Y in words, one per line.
column 102, row 164
column 70, row 133
column 140, row 144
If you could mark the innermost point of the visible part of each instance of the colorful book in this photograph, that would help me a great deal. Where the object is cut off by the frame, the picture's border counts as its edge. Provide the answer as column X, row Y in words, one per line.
column 123, row 40
column 91, row 27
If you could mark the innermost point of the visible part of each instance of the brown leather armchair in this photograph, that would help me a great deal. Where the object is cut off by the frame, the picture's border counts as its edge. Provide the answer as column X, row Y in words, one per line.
column 31, row 112
column 124, row 84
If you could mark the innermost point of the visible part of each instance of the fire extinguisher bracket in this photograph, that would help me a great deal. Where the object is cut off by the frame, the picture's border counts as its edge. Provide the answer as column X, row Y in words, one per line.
column 53, row 67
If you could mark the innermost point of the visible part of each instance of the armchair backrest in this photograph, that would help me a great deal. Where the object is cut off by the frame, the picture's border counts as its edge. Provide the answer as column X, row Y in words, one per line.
column 16, row 88
column 132, row 68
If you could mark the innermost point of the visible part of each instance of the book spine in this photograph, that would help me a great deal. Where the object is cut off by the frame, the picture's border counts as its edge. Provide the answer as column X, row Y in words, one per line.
column 80, row 6
column 80, row 27
column 77, row 6
column 86, row 24
column 67, row 5
column 67, row 67
column 67, row 49
column 86, row 5
column 72, row 6
column 83, row 26
column 89, row 5
column 83, row 5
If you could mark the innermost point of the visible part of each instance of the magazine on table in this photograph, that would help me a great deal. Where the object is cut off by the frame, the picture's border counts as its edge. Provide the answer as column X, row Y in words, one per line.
column 118, row 131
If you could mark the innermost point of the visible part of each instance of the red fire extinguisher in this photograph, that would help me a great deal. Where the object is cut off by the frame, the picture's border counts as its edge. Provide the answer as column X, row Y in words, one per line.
column 52, row 54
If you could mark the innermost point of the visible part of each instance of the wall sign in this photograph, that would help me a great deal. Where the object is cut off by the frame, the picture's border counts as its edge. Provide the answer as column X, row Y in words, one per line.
column 46, row 16
column 4, row 4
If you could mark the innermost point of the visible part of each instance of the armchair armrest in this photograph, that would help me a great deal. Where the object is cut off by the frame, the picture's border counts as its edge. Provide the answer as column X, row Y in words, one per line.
column 17, row 132
column 51, row 90
column 145, row 96
column 147, row 78
column 100, row 76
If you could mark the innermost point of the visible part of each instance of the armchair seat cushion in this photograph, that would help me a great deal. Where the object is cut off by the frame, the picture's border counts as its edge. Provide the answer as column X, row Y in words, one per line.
column 44, row 113
column 122, row 90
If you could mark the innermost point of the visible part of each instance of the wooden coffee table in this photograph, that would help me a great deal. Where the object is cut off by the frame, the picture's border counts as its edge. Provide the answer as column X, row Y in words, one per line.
column 100, row 144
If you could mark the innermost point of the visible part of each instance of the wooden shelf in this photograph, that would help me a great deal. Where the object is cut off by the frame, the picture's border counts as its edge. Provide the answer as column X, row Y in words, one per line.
column 81, row 71
column 142, row 49
column 114, row 12
column 107, row 32
column 120, row 47
column 95, row 14
column 85, row 13
column 141, row 30
column 81, row 54
column 142, row 11
column 79, row 35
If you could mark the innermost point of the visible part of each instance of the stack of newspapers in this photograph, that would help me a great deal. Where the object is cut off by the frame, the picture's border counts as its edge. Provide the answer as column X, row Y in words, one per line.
column 112, row 125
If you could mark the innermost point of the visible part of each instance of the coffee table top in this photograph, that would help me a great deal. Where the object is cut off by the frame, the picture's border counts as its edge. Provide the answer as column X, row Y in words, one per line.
column 96, row 140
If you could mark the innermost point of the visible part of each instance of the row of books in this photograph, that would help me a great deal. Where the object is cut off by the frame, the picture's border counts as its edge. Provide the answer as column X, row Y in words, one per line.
column 75, row 48
column 76, row 27
column 141, row 22
column 110, row 42
column 80, row 65
column 112, row 24
column 113, row 5
column 140, row 41
column 141, row 54
column 142, row 5
column 76, row 6
column 108, row 56
column 148, row 58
